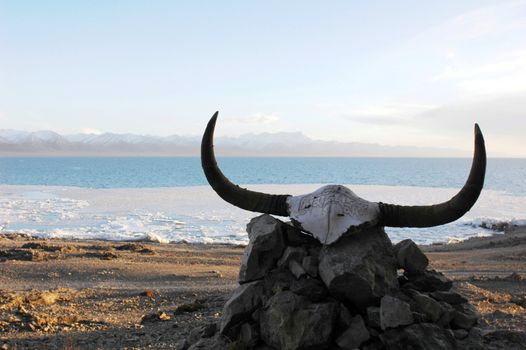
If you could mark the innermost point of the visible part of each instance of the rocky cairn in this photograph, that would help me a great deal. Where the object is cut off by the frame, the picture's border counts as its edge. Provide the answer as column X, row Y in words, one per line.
column 361, row 292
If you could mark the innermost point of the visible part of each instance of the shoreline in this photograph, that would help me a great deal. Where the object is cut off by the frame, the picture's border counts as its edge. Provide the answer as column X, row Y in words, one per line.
column 197, row 214
column 89, row 294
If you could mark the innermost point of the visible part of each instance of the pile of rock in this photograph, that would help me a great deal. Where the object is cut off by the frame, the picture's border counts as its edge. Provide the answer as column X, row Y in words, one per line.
column 360, row 292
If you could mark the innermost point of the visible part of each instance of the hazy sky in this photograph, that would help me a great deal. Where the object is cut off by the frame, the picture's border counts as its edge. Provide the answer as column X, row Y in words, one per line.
column 391, row 72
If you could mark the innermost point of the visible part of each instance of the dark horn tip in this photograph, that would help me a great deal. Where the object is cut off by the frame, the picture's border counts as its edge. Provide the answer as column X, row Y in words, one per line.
column 214, row 117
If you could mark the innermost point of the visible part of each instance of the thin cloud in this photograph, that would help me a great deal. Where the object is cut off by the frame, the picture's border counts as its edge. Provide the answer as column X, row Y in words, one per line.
column 257, row 118
column 506, row 75
column 386, row 114
column 483, row 22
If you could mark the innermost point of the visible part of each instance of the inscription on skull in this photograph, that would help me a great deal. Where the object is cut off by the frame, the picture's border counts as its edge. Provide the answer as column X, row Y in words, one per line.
column 331, row 211
column 345, row 201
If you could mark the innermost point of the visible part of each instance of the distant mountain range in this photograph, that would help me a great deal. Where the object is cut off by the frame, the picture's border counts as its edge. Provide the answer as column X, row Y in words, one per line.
column 13, row 142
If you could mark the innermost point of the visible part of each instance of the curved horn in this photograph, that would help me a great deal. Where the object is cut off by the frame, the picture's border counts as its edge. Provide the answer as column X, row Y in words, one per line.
column 439, row 214
column 240, row 197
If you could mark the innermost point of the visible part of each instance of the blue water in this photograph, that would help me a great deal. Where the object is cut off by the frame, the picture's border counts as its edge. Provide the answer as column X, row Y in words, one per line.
column 124, row 172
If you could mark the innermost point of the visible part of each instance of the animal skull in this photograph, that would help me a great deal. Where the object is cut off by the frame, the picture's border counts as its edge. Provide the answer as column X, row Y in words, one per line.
column 333, row 211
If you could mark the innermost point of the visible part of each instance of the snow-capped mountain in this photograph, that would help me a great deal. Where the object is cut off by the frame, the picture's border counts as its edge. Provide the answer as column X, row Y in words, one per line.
column 13, row 142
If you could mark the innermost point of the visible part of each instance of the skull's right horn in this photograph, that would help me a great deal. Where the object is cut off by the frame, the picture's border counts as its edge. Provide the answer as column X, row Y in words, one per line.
column 240, row 197
column 439, row 214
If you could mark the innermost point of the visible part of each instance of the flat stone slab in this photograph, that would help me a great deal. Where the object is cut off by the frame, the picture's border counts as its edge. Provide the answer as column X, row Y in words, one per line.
column 360, row 268
column 394, row 312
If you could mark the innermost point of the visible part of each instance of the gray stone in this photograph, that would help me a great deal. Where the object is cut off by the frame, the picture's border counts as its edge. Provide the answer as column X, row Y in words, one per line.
column 410, row 257
column 290, row 254
column 296, row 269
column 451, row 298
column 394, row 312
column 475, row 341
column 182, row 344
column 278, row 280
column 420, row 317
column 428, row 306
column 309, row 287
column 460, row 333
column 289, row 321
column 265, row 247
column 447, row 315
column 359, row 268
column 249, row 335
column 355, row 335
column 344, row 318
column 375, row 345
column 204, row 331
column 244, row 301
column 310, row 265
column 465, row 316
column 421, row 336
column 373, row 316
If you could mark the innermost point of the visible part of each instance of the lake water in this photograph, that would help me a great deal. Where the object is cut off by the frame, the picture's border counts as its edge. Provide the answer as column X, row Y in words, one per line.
column 167, row 198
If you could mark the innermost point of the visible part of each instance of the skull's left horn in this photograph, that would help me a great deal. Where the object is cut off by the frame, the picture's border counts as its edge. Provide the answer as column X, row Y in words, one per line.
column 451, row 210
column 240, row 197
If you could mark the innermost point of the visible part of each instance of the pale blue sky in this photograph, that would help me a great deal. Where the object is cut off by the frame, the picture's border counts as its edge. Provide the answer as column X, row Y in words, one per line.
column 391, row 72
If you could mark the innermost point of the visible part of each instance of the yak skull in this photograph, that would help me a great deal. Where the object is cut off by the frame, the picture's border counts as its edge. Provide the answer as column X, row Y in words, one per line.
column 333, row 211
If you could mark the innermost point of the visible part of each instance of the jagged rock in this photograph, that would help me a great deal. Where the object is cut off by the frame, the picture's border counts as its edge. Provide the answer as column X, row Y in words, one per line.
column 447, row 315
column 373, row 316
column 265, row 248
column 394, row 312
column 465, row 316
column 460, row 333
column 419, row 317
column 475, row 341
column 289, row 321
column 292, row 254
column 428, row 306
column 375, row 345
column 278, row 280
column 410, row 257
column 429, row 281
column 421, row 336
column 355, row 335
column 451, row 298
column 241, row 305
column 345, row 317
column 302, row 295
column 360, row 268
column 249, row 335
column 296, row 269
column 310, row 265
column 309, row 287
column 205, row 331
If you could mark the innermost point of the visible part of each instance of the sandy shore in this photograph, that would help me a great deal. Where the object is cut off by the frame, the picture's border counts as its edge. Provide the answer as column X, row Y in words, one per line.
column 58, row 294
